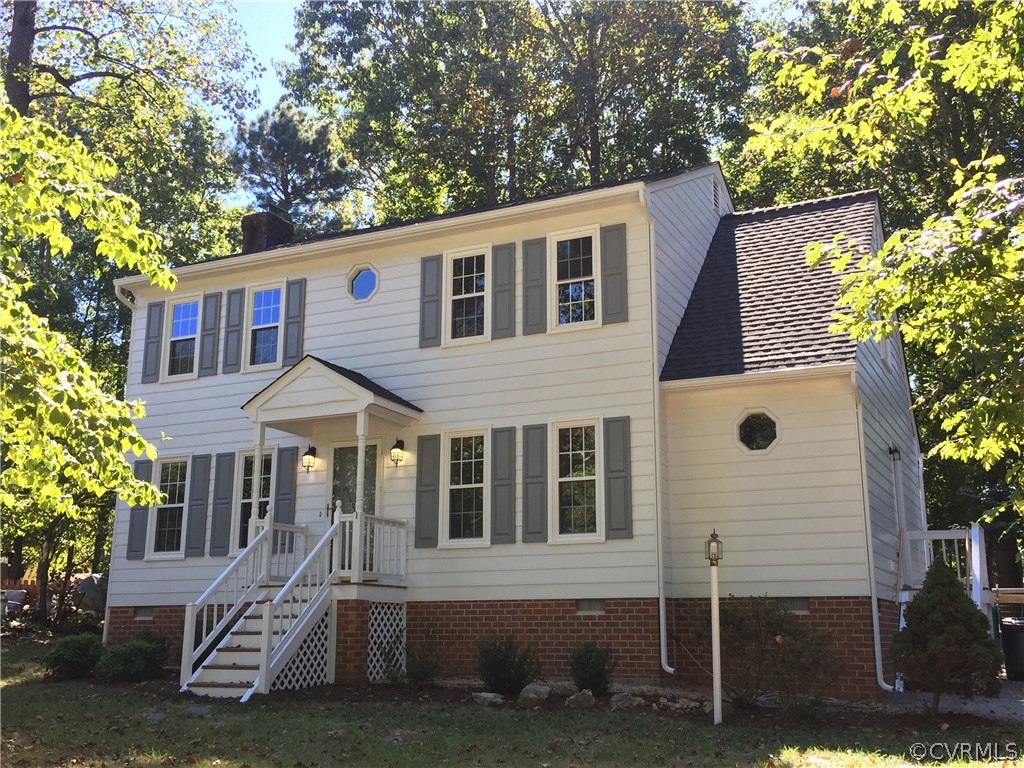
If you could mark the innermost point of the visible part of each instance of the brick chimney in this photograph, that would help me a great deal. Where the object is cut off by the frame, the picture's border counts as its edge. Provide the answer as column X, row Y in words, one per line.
column 266, row 229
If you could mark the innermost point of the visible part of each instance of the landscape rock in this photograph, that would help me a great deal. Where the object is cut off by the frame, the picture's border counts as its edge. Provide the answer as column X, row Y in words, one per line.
column 533, row 695
column 489, row 699
column 625, row 701
column 582, row 700
column 677, row 702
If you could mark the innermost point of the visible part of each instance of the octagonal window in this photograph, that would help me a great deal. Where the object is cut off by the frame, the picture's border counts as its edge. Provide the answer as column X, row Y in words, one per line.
column 758, row 431
column 363, row 283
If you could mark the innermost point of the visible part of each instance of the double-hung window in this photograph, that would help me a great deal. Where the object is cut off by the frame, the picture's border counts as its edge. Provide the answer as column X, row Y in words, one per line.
column 254, row 495
column 576, row 285
column 467, row 294
column 466, row 488
column 183, row 336
column 577, row 486
column 264, row 326
column 169, row 523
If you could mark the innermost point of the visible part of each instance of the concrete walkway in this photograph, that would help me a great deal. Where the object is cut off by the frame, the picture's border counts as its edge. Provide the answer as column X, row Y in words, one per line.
column 1009, row 705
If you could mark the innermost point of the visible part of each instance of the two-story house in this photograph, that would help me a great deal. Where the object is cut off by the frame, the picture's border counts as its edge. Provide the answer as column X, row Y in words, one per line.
column 523, row 419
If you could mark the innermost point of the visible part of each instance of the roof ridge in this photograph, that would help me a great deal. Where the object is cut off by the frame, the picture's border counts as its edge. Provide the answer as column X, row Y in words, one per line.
column 872, row 191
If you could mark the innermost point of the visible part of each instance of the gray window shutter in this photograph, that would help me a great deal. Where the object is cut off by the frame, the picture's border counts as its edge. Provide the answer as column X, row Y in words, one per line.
column 284, row 492
column 138, row 517
column 503, row 291
column 535, row 286
column 503, row 485
column 223, row 489
column 294, row 320
column 198, row 496
column 618, row 488
column 234, row 327
column 535, row 482
column 153, row 347
column 428, row 490
column 614, row 286
column 208, row 335
column 431, row 298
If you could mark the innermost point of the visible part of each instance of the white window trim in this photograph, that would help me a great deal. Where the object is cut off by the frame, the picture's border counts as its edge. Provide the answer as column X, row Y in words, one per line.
column 165, row 360
column 443, row 541
column 594, row 232
column 751, row 452
column 554, row 537
column 179, row 554
column 372, row 444
column 250, row 300
column 236, row 492
column 353, row 274
column 446, row 322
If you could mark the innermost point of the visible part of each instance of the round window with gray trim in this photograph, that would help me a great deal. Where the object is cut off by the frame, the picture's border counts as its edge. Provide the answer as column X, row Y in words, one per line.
column 363, row 283
column 758, row 431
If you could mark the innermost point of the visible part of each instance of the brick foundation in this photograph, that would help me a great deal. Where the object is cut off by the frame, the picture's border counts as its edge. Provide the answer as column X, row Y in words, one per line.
column 352, row 641
column 168, row 621
column 628, row 626
column 847, row 618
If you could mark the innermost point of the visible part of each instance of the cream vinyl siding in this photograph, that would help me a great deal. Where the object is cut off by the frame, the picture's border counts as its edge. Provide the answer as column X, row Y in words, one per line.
column 684, row 221
column 593, row 373
column 791, row 517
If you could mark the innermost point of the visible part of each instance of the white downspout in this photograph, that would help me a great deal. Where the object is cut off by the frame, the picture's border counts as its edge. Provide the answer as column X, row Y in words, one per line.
column 123, row 297
column 656, row 392
column 872, row 587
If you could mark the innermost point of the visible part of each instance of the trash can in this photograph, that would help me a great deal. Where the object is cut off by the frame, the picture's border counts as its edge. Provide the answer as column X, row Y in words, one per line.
column 1012, row 632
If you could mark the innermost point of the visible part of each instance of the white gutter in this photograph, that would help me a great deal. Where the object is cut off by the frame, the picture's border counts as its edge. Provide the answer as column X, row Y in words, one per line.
column 119, row 292
column 417, row 231
column 739, row 379
column 658, row 543
column 872, row 587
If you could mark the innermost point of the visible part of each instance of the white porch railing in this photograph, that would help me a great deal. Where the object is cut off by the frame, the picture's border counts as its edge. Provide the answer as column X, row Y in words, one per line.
column 219, row 606
column 382, row 548
column 288, row 617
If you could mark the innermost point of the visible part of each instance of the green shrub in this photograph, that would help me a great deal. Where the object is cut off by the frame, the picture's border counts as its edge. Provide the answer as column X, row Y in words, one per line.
column 140, row 658
column 74, row 656
column 423, row 659
column 504, row 667
column 769, row 649
column 591, row 666
column 945, row 645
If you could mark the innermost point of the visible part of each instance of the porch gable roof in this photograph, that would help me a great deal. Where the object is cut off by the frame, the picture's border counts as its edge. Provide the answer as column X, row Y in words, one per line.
column 314, row 389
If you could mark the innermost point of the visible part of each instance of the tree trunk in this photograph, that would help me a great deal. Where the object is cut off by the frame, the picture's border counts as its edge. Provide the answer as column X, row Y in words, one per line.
column 99, row 563
column 935, row 703
column 46, row 547
column 19, row 55
column 63, row 600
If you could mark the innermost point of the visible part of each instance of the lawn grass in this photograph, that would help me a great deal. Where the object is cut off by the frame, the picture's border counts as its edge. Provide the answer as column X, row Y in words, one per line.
column 49, row 723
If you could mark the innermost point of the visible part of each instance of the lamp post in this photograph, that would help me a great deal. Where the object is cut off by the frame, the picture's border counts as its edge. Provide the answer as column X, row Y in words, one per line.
column 713, row 551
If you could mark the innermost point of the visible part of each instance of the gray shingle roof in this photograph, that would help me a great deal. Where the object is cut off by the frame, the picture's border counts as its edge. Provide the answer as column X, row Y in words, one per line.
column 756, row 305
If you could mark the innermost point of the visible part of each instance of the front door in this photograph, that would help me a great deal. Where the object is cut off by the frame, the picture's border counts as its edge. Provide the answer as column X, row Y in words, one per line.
column 343, row 478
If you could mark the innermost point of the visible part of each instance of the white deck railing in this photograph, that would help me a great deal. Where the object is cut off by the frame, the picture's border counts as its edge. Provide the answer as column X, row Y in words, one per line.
column 383, row 547
column 962, row 549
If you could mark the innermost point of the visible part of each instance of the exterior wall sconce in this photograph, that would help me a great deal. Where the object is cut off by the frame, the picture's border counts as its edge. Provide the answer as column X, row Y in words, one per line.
column 894, row 452
column 309, row 459
column 398, row 452
column 713, row 551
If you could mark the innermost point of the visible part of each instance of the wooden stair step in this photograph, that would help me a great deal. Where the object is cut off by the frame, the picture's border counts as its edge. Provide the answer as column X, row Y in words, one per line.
column 247, row 667
column 237, row 686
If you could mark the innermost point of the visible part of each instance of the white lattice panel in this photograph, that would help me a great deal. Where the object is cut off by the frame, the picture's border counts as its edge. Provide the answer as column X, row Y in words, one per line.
column 308, row 667
column 385, row 641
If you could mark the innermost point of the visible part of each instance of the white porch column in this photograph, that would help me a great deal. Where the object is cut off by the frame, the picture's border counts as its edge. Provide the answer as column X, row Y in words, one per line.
column 358, row 526
column 258, row 439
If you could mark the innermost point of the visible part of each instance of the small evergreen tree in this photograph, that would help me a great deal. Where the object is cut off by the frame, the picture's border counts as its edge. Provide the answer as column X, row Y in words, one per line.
column 945, row 645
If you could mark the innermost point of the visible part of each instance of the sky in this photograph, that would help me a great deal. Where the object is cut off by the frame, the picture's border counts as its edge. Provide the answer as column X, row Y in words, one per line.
column 269, row 27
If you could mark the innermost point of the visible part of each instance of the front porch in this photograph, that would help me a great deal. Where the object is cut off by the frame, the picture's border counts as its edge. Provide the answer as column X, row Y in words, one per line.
column 280, row 592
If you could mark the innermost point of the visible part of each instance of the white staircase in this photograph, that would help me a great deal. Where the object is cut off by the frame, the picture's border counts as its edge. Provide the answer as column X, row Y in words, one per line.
column 243, row 633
